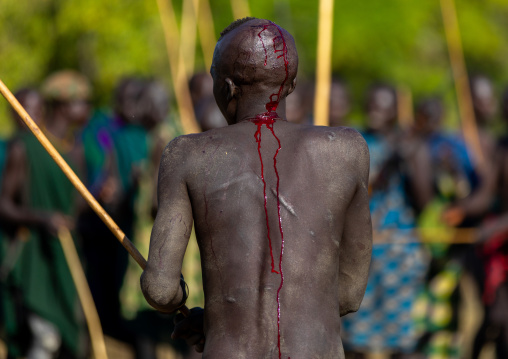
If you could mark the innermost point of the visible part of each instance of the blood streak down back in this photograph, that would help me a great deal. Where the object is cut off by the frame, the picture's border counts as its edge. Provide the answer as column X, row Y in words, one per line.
column 268, row 119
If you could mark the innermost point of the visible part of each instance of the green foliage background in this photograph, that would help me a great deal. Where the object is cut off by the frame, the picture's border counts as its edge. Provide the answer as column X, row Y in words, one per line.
column 399, row 41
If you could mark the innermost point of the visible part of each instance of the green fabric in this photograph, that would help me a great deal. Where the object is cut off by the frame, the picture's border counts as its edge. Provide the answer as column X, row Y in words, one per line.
column 131, row 145
column 41, row 271
column 8, row 308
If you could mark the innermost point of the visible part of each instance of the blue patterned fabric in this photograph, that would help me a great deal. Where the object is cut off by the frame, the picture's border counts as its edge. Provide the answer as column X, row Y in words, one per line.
column 384, row 320
column 449, row 153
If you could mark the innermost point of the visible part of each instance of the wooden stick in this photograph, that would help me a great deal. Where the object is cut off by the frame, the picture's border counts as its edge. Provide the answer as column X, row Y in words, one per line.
column 427, row 235
column 240, row 8
column 404, row 106
column 323, row 63
column 465, row 101
column 84, row 294
column 188, row 35
column 206, row 31
column 177, row 67
column 103, row 215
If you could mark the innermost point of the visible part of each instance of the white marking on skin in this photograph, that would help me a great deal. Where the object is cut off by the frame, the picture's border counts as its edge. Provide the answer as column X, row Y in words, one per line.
column 284, row 202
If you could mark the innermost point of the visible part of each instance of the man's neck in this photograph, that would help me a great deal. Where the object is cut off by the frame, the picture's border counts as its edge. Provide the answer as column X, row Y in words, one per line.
column 250, row 110
column 58, row 126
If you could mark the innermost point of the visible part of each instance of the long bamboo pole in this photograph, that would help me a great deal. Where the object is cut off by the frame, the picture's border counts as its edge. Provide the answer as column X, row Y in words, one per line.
column 240, row 8
column 206, row 30
column 428, row 236
column 458, row 64
column 81, row 188
column 404, row 106
column 323, row 63
column 188, row 35
column 84, row 294
column 177, row 67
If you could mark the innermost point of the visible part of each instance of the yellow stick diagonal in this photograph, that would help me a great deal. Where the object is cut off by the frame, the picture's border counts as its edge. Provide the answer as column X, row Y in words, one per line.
column 206, row 31
column 188, row 35
column 84, row 294
column 404, row 107
column 103, row 215
column 462, row 88
column 323, row 63
column 177, row 67
column 240, row 8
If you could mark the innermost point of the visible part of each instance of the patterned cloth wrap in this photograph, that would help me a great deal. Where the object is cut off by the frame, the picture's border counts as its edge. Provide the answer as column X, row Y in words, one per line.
column 436, row 309
column 399, row 263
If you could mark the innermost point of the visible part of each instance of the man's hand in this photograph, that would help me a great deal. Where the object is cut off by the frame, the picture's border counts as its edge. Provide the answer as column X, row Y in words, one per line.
column 191, row 329
column 55, row 221
column 453, row 216
column 109, row 191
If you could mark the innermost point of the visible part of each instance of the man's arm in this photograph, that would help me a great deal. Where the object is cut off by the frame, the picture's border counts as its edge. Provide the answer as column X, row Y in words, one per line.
column 356, row 242
column 160, row 282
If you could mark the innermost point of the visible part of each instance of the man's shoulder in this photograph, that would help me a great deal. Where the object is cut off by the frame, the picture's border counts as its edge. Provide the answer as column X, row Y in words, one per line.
column 191, row 142
column 344, row 139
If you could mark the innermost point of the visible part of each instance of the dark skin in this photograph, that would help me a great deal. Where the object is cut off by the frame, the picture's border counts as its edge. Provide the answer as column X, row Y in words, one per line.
column 213, row 179
column 59, row 126
column 407, row 148
column 339, row 103
column 475, row 205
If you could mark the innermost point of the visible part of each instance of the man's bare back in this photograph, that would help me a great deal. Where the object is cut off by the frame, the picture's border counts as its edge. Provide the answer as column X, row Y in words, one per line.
column 277, row 274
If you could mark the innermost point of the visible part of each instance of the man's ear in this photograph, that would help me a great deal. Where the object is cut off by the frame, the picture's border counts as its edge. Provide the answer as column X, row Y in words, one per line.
column 233, row 90
column 292, row 86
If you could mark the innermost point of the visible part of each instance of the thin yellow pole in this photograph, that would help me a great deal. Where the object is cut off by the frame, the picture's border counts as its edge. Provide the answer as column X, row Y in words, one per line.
column 206, row 31
column 81, row 188
column 177, row 67
column 188, row 35
column 428, row 235
column 240, row 8
column 323, row 63
column 405, row 106
column 458, row 64
column 84, row 294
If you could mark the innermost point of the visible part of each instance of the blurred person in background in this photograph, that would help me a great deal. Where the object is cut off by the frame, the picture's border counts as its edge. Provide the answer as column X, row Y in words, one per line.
column 138, row 136
column 36, row 194
column 299, row 104
column 106, row 259
column 209, row 116
column 340, row 105
column 470, row 210
column 200, row 87
column 492, row 253
column 384, row 321
column 207, row 113
column 450, row 178
column 12, row 237
column 116, row 149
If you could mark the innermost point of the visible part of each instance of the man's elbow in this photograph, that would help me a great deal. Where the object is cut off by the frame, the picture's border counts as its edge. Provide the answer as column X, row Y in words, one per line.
column 163, row 295
column 351, row 303
column 349, row 308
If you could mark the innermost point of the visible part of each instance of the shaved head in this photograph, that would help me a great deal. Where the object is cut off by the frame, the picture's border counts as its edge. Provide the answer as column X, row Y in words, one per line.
column 256, row 54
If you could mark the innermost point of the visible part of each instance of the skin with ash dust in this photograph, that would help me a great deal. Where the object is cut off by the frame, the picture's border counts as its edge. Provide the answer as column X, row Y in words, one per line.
column 308, row 213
